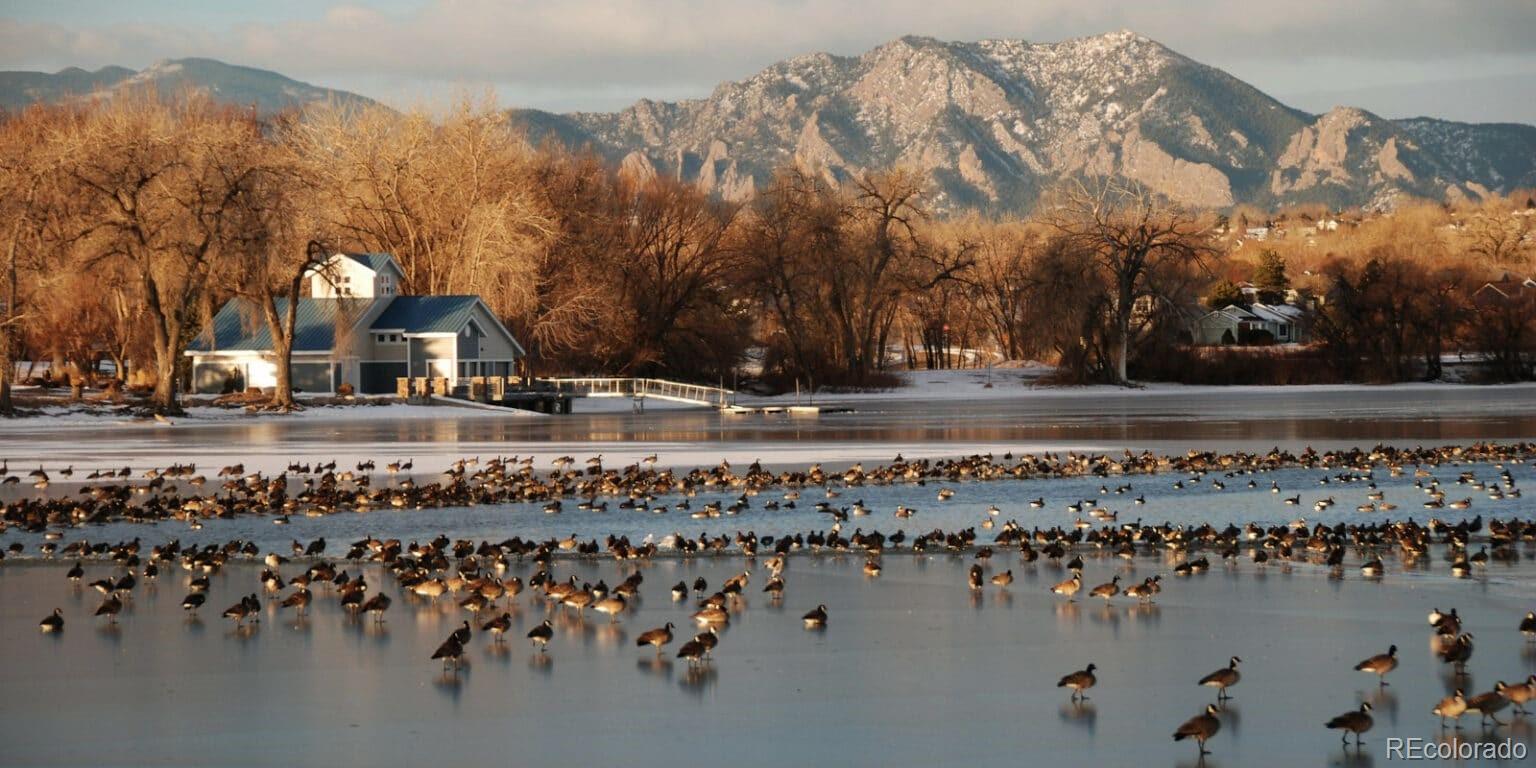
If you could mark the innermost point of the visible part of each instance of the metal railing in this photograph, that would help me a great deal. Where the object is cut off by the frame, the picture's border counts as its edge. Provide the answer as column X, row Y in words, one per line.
column 661, row 389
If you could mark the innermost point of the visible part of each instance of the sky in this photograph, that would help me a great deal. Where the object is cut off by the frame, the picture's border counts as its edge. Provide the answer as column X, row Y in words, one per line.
column 1471, row 60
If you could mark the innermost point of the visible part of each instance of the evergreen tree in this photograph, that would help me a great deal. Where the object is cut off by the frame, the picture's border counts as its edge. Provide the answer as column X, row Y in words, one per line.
column 1224, row 293
column 1270, row 278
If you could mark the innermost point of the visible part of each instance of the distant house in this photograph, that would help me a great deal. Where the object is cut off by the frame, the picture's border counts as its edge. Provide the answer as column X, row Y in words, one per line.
column 1234, row 324
column 1506, row 288
column 355, row 328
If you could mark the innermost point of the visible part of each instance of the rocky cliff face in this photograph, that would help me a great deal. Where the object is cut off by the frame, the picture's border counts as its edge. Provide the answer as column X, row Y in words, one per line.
column 993, row 123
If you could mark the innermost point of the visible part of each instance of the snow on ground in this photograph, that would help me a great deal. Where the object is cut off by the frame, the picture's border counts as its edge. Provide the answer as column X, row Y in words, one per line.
column 1021, row 383
column 51, row 416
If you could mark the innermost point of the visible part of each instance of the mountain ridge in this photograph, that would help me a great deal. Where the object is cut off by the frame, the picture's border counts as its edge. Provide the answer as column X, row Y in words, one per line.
column 991, row 124
column 994, row 122
column 231, row 83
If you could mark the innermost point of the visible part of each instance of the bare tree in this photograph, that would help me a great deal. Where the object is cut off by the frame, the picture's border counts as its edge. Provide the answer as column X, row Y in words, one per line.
column 161, row 180
column 674, row 259
column 1131, row 235
column 28, row 195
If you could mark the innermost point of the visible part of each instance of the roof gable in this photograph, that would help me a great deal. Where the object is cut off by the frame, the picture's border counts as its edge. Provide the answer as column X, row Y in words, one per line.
column 377, row 262
column 427, row 314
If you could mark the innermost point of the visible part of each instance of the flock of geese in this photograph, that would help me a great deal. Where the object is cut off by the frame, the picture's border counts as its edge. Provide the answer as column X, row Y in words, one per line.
column 181, row 492
column 474, row 573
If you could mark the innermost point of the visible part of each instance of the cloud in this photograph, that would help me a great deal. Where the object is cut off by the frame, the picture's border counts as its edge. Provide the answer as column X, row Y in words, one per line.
column 573, row 51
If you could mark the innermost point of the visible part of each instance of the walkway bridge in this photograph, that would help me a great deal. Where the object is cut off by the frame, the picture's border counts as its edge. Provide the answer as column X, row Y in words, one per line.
column 660, row 389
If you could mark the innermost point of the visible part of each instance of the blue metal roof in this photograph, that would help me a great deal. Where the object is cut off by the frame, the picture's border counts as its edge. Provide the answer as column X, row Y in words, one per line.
column 239, row 327
column 373, row 261
column 427, row 314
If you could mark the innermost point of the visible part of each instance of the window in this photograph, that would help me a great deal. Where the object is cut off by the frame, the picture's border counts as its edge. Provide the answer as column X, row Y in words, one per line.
column 388, row 338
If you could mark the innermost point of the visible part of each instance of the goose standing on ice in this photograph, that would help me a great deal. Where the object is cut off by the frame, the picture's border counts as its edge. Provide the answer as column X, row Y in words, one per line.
column 1356, row 721
column 1380, row 664
column 1201, row 728
column 1223, row 678
column 1079, row 681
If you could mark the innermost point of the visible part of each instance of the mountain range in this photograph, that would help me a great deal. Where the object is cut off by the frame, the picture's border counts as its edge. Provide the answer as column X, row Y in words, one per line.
column 992, row 124
column 268, row 91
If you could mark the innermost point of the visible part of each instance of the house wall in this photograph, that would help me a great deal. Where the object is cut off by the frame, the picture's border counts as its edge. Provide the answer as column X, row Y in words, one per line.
column 384, row 351
column 1209, row 329
column 469, row 342
column 212, row 376
column 494, row 345
column 354, row 280
column 426, row 349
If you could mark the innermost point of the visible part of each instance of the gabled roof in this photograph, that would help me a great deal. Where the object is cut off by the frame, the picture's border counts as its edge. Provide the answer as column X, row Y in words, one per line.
column 238, row 327
column 374, row 261
column 1279, row 313
column 427, row 314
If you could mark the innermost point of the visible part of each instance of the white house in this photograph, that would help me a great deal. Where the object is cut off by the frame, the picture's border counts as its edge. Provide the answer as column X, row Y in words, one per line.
column 356, row 328
column 1231, row 324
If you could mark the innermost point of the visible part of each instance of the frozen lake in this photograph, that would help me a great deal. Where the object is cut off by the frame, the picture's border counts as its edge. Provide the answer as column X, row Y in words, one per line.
column 913, row 669
column 965, row 419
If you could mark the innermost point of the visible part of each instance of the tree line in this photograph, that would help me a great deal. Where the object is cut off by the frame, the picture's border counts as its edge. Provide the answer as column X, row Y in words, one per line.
column 128, row 222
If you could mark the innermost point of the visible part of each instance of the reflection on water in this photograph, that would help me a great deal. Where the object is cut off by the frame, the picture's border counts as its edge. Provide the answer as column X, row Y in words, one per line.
column 1082, row 714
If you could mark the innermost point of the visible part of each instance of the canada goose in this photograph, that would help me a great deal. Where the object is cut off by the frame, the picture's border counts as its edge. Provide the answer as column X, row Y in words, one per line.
column 298, row 601
column 451, row 651
column 1108, row 590
column 1143, row 591
column 1453, row 706
column 376, row 606
column 1223, row 678
column 1380, row 664
column 110, row 607
column 872, row 568
column 1003, row 579
column 246, row 608
column 692, row 651
column 613, row 605
column 580, row 599
column 498, row 626
column 1356, row 721
column 709, row 639
column 974, row 577
column 431, row 589
column 1069, row 587
column 1488, row 704
column 462, row 634
column 1518, row 694
column 657, row 637
column 1528, row 626
column 53, row 622
column 1458, row 652
column 1201, row 727
column 680, row 592
column 193, row 601
column 1079, row 681
column 541, row 634
column 711, row 615
column 76, row 573
column 816, row 617
column 775, row 588
column 1449, row 624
